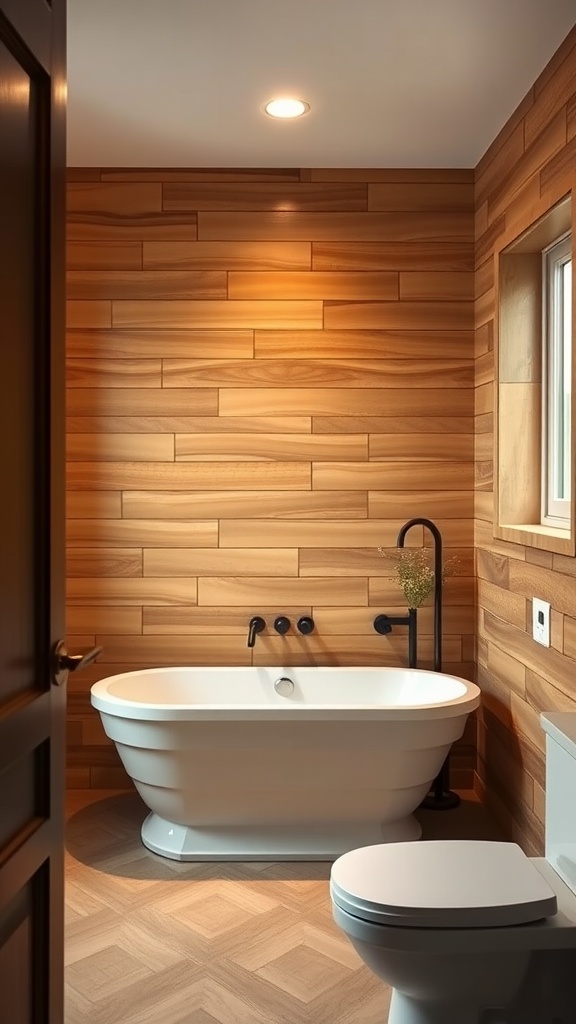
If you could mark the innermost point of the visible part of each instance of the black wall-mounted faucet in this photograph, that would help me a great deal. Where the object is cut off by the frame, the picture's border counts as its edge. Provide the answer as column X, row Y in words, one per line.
column 255, row 626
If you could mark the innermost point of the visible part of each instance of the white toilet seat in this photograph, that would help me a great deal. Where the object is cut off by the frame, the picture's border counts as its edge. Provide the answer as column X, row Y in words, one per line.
column 441, row 884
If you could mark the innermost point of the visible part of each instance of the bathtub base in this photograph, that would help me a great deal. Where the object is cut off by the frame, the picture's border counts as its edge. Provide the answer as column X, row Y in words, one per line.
column 303, row 841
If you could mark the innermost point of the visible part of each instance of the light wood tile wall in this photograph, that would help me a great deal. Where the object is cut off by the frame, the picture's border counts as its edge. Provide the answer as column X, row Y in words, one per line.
column 268, row 373
column 527, row 169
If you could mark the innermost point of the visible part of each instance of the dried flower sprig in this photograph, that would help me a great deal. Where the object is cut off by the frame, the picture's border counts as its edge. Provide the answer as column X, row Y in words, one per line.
column 415, row 574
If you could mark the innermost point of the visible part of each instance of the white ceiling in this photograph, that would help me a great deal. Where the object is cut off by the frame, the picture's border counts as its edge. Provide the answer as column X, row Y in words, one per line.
column 391, row 83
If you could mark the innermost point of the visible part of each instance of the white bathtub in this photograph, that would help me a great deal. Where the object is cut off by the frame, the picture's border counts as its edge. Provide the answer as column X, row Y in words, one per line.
column 231, row 770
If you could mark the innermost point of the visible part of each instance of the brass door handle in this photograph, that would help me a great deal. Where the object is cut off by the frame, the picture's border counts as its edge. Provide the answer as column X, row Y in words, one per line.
column 63, row 663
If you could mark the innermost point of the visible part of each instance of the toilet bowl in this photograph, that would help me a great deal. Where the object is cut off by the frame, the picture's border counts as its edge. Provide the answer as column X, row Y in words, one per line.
column 468, row 932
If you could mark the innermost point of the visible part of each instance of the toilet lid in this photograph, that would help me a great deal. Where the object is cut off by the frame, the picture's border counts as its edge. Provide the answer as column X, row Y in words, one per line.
column 441, row 884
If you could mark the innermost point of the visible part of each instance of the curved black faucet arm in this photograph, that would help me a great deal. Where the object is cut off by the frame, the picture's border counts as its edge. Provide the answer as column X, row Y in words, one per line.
column 255, row 626
column 433, row 529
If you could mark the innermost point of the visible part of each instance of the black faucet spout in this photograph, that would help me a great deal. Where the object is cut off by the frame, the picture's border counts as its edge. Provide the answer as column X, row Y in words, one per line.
column 255, row 626
column 437, row 580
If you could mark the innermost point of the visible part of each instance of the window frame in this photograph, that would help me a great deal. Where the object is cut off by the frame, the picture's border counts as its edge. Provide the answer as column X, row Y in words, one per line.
column 556, row 433
column 519, row 386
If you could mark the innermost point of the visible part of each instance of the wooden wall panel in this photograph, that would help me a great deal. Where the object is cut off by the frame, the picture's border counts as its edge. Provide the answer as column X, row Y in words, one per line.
column 419, row 195
column 528, row 168
column 325, row 505
column 348, row 373
column 145, row 284
column 124, row 344
column 445, row 504
column 347, row 650
column 398, row 425
column 93, row 504
column 447, row 225
column 375, row 344
column 263, row 314
column 114, row 373
column 125, row 621
column 138, row 591
column 254, row 561
column 93, row 313
column 268, row 594
column 141, row 402
column 269, row 371
column 195, row 424
column 304, row 534
column 316, row 285
column 95, row 198
column 398, row 315
column 459, row 447
column 263, row 446
column 144, row 533
column 173, row 650
column 426, row 285
column 170, row 174
column 103, row 562
column 399, row 256
column 392, row 475
column 104, row 256
column 120, row 447
column 299, row 196
column 164, row 476
column 229, row 256
column 345, row 401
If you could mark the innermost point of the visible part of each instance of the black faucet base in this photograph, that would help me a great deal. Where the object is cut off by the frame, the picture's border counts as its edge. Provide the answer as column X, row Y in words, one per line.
column 445, row 801
column 441, row 797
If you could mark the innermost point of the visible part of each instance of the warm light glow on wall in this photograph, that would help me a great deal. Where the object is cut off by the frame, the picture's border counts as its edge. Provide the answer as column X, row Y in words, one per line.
column 287, row 108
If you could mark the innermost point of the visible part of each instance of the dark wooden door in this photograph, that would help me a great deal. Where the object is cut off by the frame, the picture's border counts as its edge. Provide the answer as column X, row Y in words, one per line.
column 32, row 708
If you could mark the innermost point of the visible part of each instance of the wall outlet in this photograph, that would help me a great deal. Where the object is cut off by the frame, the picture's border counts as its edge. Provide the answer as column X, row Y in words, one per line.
column 541, row 622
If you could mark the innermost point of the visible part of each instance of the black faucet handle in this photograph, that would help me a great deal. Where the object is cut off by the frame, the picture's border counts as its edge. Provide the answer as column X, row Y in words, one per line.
column 305, row 625
column 281, row 624
column 382, row 624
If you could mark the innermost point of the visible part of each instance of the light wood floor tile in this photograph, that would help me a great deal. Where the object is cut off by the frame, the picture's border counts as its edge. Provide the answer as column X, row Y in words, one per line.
column 304, row 973
column 151, row 940
column 105, row 972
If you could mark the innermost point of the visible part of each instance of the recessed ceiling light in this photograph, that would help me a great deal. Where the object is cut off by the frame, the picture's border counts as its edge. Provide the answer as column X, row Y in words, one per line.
column 287, row 108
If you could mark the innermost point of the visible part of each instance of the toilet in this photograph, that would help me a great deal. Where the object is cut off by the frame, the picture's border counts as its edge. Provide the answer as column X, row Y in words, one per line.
column 472, row 932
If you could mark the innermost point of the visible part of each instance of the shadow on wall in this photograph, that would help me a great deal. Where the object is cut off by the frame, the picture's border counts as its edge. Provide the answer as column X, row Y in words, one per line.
column 503, row 759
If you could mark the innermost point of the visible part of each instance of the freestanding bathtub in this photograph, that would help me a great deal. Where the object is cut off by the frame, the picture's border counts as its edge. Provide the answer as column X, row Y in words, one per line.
column 232, row 769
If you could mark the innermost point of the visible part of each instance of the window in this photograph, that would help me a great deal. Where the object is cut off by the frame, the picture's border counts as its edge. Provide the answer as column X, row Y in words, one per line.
column 557, row 369
column 534, row 420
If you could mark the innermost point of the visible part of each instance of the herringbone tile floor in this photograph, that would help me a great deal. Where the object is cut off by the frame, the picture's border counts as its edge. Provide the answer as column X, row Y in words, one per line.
column 153, row 941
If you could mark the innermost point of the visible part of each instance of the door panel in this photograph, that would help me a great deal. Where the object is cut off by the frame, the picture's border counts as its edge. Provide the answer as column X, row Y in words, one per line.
column 32, row 709
column 19, row 416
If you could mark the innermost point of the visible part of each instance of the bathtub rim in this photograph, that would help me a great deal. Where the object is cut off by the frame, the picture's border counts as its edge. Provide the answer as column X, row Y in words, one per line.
column 106, row 703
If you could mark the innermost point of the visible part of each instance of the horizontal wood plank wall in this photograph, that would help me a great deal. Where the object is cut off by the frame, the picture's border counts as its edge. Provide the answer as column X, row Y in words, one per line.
column 528, row 168
column 268, row 373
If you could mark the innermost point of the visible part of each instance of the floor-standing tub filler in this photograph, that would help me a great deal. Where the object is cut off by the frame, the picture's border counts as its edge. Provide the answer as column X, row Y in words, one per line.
column 287, row 764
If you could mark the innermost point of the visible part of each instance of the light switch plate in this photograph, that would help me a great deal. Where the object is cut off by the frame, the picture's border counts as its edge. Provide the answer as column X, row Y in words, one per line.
column 541, row 621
